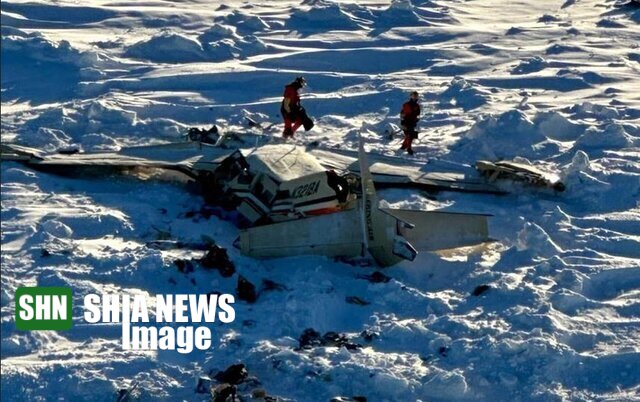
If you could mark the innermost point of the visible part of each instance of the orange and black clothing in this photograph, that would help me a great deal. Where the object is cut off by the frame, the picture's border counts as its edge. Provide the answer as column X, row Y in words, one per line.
column 409, row 120
column 291, row 109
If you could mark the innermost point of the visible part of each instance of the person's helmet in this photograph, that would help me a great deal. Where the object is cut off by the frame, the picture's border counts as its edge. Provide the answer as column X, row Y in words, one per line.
column 415, row 93
column 300, row 81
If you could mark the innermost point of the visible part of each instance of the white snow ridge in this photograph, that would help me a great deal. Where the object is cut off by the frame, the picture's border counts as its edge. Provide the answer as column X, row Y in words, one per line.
column 549, row 310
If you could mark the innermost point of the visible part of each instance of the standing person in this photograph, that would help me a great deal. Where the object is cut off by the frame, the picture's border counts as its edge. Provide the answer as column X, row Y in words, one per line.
column 409, row 116
column 292, row 111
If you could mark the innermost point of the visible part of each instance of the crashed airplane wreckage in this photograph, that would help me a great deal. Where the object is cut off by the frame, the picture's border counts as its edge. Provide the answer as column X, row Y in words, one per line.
column 322, row 201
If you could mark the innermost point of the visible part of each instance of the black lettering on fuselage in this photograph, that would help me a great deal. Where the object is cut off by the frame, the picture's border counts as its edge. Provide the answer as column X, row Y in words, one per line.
column 306, row 190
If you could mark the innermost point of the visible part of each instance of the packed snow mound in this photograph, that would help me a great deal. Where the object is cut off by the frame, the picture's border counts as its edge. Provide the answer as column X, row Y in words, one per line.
column 461, row 93
column 503, row 137
column 600, row 186
column 579, row 163
column 167, row 47
column 227, row 49
column 513, row 134
column 221, row 50
column 533, row 237
column 531, row 65
column 223, row 43
column 588, row 110
column 400, row 6
column 106, row 118
column 401, row 13
column 548, row 312
column 397, row 376
column 17, row 43
column 103, row 114
column 48, row 139
column 613, row 136
column 251, row 45
column 557, row 48
column 514, row 31
column 218, row 32
column 322, row 16
column 548, row 18
column 245, row 24
column 383, row 128
column 610, row 23
column 99, row 142
column 556, row 126
column 506, row 125
column 587, row 184
column 55, row 228
column 39, row 59
column 19, row 175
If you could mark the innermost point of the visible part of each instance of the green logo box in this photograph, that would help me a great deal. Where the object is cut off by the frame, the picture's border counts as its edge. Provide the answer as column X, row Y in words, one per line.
column 44, row 308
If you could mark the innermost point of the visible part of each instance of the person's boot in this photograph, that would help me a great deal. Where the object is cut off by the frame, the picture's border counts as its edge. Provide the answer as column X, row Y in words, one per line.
column 410, row 151
column 404, row 144
column 287, row 132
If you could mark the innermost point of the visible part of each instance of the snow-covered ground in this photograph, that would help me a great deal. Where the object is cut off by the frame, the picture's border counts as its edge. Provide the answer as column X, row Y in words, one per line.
column 555, row 82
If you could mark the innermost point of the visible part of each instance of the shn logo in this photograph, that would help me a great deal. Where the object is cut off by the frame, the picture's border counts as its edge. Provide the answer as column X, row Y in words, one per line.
column 43, row 308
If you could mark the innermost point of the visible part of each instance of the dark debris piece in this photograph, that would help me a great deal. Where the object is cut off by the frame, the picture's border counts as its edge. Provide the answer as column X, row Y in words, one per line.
column 376, row 277
column 348, row 399
column 234, row 374
column 268, row 284
column 311, row 338
column 480, row 290
column 208, row 136
column 356, row 300
column 248, row 323
column 172, row 244
column 222, row 392
column 44, row 253
column 338, row 340
column 128, row 394
column 246, row 290
column 217, row 258
column 369, row 335
column 356, row 262
column 206, row 212
column 184, row 266
column 204, row 385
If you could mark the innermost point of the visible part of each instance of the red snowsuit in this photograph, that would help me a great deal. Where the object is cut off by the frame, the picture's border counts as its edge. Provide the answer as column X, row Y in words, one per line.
column 293, row 117
column 408, row 120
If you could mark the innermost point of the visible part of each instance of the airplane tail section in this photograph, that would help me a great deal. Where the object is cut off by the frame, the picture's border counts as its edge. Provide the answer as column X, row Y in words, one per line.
column 380, row 230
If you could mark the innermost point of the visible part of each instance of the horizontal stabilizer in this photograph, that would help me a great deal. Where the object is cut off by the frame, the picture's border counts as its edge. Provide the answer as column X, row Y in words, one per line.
column 435, row 230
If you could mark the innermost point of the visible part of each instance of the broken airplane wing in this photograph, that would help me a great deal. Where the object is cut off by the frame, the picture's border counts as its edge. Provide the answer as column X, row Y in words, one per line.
column 193, row 158
column 187, row 157
column 389, row 171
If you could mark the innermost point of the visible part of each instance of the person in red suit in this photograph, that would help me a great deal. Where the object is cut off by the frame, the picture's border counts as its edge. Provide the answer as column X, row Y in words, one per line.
column 291, row 110
column 409, row 116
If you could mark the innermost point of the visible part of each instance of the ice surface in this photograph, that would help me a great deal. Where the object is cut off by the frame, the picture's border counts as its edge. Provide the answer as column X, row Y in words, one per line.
column 550, row 311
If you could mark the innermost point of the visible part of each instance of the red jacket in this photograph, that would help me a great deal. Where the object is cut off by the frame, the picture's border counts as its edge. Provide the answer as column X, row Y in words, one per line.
column 410, row 112
column 291, row 93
